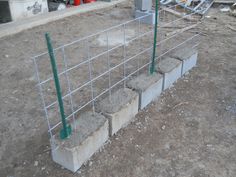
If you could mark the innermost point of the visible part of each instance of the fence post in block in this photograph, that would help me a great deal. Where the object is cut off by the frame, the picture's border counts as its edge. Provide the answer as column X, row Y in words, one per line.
column 66, row 129
column 152, row 67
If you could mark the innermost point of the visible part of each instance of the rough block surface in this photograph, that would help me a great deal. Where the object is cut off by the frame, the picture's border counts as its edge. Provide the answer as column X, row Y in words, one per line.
column 120, row 108
column 90, row 132
column 149, row 87
column 171, row 68
column 188, row 56
column 149, row 16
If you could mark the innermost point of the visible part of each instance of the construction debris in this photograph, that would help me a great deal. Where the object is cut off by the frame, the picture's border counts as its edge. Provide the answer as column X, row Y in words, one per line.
column 230, row 27
column 196, row 6
column 178, row 14
column 232, row 11
column 225, row 9
column 224, row 2
column 181, row 30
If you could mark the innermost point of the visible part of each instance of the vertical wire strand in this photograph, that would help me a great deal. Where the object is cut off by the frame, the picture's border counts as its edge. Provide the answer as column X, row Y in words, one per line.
column 139, row 45
column 161, row 33
column 68, row 84
column 90, row 76
column 124, row 54
column 109, row 66
column 43, row 100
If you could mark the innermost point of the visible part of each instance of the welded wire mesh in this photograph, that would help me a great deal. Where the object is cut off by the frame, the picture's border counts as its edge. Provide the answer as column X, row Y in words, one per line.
column 93, row 67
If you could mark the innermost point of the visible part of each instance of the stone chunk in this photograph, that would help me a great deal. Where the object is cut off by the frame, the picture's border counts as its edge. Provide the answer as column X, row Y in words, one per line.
column 149, row 87
column 171, row 69
column 90, row 132
column 188, row 56
column 120, row 109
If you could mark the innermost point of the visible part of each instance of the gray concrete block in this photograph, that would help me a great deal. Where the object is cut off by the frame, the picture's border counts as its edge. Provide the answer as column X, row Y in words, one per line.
column 90, row 134
column 188, row 56
column 171, row 68
column 149, row 16
column 120, row 109
column 149, row 87
column 143, row 5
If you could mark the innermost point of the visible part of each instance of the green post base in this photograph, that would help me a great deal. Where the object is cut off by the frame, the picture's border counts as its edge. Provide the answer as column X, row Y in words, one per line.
column 153, row 63
column 63, row 134
column 152, row 70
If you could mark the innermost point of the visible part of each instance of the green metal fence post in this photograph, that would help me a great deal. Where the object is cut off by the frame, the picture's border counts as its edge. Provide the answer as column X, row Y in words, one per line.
column 66, row 129
column 153, row 67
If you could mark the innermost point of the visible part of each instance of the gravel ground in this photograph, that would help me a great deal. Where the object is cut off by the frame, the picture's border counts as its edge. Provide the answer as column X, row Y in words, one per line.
column 189, row 131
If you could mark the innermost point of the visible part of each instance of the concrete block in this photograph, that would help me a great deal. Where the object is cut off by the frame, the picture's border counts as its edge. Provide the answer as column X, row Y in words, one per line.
column 188, row 56
column 171, row 69
column 90, row 134
column 120, row 109
column 149, row 16
column 143, row 5
column 148, row 87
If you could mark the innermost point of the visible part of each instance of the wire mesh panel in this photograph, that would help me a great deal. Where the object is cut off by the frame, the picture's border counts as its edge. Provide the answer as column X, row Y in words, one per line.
column 93, row 67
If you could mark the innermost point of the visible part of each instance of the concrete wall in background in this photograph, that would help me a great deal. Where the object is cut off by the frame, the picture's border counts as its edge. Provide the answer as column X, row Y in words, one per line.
column 20, row 9
column 5, row 14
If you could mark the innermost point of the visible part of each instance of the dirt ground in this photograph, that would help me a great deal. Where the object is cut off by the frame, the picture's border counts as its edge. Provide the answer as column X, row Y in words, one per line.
column 190, row 131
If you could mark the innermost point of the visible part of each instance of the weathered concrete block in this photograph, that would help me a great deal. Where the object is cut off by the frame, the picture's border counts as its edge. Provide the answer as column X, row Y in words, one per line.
column 120, row 109
column 171, row 69
column 149, row 87
column 90, row 134
column 148, row 16
column 188, row 56
column 143, row 5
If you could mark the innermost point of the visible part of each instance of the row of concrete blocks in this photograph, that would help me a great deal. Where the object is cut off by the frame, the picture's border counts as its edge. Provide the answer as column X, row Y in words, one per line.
column 93, row 129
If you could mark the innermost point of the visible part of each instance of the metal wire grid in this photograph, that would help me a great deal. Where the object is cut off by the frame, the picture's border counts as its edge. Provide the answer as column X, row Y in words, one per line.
column 141, row 66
